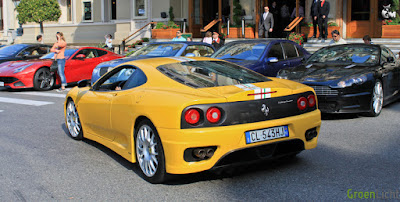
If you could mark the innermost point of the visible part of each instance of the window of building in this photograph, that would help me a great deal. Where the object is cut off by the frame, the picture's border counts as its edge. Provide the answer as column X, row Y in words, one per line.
column 113, row 9
column 139, row 8
column 87, row 11
column 69, row 10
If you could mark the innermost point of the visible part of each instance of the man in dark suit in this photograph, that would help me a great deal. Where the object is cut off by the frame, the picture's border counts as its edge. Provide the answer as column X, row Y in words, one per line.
column 266, row 23
column 314, row 16
column 323, row 11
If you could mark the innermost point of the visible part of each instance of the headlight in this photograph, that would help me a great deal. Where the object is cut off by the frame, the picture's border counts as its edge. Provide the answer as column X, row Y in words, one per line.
column 20, row 69
column 350, row 81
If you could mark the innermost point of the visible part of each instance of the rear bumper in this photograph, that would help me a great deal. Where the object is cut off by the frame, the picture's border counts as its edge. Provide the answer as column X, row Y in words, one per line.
column 230, row 143
column 345, row 103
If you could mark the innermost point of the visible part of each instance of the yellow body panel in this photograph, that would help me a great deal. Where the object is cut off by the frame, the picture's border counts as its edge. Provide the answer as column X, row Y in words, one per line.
column 109, row 117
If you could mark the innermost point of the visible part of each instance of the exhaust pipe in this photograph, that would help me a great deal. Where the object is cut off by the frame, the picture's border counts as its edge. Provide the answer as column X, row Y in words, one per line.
column 310, row 134
column 199, row 153
column 209, row 152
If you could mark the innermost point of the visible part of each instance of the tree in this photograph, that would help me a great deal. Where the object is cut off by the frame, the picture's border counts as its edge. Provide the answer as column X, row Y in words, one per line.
column 38, row 11
column 237, row 13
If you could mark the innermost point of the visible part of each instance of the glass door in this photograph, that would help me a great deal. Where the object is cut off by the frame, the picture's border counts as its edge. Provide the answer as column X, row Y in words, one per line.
column 195, row 17
column 363, row 19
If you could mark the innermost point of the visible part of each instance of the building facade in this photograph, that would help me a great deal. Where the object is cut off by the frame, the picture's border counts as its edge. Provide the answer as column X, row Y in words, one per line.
column 87, row 21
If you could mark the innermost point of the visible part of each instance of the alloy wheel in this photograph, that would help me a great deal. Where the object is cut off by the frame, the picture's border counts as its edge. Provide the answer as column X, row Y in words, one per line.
column 146, row 150
column 73, row 122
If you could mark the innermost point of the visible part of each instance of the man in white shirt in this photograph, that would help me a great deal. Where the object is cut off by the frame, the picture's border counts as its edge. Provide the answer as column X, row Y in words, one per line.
column 336, row 38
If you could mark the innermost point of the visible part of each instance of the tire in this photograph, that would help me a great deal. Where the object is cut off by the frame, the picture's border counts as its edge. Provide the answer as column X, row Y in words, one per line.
column 73, row 122
column 376, row 100
column 43, row 80
column 150, row 159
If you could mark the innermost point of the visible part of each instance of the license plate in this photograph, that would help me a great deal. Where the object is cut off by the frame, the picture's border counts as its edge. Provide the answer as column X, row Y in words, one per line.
column 1, row 83
column 266, row 134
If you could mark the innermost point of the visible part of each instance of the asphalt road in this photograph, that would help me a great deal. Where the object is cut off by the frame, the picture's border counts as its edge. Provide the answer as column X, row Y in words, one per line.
column 40, row 162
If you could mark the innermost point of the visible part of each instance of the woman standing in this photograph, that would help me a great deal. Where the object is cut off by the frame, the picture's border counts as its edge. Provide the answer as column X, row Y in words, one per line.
column 59, row 50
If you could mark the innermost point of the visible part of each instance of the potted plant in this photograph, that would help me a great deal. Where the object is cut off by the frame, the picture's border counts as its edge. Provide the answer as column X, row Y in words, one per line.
column 297, row 37
column 166, row 31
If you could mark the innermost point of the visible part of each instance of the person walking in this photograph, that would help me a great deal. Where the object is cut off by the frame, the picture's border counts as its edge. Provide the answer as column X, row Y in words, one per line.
column 336, row 38
column 266, row 24
column 59, row 50
column 323, row 11
column 314, row 15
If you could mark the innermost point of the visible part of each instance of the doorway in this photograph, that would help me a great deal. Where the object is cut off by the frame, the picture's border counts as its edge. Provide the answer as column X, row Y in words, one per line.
column 363, row 18
column 202, row 12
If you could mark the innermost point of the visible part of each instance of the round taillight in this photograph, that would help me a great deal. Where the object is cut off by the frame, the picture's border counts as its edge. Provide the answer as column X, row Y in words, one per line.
column 302, row 103
column 192, row 116
column 213, row 115
column 311, row 100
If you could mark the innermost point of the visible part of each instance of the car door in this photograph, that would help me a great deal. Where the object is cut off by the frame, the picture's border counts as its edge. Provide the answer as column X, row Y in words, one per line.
column 292, row 56
column 272, row 68
column 390, row 74
column 29, row 53
column 77, row 69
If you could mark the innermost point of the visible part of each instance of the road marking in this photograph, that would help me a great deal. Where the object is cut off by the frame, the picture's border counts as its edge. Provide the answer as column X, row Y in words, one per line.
column 24, row 101
column 43, row 94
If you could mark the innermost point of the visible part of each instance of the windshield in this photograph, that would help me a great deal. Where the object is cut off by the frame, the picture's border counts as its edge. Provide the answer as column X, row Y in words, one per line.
column 11, row 50
column 351, row 54
column 67, row 54
column 202, row 74
column 155, row 50
column 241, row 51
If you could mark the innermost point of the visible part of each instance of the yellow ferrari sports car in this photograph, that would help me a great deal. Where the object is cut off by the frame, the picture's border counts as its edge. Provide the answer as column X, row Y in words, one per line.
column 181, row 115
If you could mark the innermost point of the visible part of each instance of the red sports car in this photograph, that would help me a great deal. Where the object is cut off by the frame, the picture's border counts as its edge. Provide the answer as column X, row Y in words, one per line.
column 79, row 64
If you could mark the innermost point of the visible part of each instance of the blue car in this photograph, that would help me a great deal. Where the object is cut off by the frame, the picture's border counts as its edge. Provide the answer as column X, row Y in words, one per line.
column 159, row 49
column 265, row 56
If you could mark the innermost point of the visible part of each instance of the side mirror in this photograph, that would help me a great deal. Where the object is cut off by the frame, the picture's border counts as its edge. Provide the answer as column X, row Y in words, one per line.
column 190, row 55
column 83, row 83
column 81, row 56
column 272, row 60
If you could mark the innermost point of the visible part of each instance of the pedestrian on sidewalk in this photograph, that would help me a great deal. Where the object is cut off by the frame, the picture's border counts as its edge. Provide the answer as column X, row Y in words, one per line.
column 323, row 11
column 59, row 50
column 39, row 38
column 367, row 39
column 314, row 15
column 108, row 43
column 336, row 38
column 208, row 38
column 179, row 37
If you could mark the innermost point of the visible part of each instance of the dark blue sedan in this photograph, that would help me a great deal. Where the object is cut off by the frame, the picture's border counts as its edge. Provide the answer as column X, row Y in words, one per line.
column 263, row 56
column 158, row 49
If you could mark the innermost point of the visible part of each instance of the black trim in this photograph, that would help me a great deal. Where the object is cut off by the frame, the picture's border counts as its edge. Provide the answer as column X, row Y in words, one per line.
column 8, row 80
column 234, row 113
column 259, row 153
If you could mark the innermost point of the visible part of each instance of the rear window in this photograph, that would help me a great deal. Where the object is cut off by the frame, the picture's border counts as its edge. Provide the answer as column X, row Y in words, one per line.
column 203, row 74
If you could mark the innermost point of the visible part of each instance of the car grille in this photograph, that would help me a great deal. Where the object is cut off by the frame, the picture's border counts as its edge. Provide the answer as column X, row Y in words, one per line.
column 324, row 90
column 8, row 79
